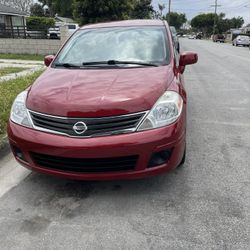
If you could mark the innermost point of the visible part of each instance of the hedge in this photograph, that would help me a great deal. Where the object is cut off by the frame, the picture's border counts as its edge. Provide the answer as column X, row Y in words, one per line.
column 39, row 23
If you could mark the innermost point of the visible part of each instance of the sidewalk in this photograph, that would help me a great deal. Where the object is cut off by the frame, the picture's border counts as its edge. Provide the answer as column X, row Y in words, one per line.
column 10, row 173
column 32, row 66
column 24, row 62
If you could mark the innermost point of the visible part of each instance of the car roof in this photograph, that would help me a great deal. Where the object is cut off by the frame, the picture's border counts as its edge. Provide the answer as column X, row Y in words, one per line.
column 144, row 22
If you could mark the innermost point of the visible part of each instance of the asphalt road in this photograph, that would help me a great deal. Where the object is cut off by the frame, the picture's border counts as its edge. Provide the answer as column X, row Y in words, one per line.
column 203, row 205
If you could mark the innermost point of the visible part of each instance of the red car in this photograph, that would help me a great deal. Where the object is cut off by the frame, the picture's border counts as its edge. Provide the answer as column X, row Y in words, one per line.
column 111, row 105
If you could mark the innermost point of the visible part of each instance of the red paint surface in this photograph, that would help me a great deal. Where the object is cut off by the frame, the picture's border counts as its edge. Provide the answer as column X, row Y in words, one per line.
column 98, row 93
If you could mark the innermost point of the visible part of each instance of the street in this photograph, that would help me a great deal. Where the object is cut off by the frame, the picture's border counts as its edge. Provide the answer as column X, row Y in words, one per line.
column 204, row 204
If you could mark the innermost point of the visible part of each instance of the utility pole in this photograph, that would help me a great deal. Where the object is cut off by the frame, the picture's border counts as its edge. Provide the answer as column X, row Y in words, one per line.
column 169, row 11
column 216, row 5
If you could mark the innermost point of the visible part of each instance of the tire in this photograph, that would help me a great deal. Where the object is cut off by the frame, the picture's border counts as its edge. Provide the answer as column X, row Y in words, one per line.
column 178, row 48
column 183, row 158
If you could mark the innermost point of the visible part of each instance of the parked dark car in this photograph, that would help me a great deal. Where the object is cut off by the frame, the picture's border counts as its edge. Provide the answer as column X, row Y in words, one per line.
column 219, row 38
column 111, row 105
column 199, row 36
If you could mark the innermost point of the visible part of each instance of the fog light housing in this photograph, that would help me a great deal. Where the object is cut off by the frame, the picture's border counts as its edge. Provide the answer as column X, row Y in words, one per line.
column 18, row 153
column 160, row 158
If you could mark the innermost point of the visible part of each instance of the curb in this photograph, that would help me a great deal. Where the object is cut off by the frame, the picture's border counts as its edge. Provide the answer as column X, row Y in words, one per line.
column 4, row 147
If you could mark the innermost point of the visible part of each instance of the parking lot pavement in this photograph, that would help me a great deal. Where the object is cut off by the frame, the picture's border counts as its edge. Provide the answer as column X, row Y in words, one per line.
column 205, row 204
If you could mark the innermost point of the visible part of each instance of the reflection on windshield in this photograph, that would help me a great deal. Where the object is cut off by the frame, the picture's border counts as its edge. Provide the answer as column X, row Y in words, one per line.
column 141, row 44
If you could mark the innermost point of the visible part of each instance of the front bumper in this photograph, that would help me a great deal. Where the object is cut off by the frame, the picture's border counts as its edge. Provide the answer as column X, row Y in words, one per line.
column 143, row 144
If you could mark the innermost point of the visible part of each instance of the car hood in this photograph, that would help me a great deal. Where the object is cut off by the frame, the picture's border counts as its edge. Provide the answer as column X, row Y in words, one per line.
column 98, row 92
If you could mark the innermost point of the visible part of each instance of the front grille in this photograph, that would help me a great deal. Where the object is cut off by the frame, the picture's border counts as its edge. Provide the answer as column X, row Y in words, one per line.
column 95, row 126
column 85, row 165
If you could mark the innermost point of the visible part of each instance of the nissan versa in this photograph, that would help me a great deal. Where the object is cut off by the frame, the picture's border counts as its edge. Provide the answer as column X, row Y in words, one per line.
column 111, row 105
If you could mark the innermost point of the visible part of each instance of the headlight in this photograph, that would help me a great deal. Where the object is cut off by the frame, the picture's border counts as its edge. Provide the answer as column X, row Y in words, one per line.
column 166, row 111
column 19, row 113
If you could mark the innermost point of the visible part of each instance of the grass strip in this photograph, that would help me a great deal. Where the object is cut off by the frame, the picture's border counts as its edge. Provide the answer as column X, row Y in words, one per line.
column 22, row 57
column 10, row 70
column 8, row 92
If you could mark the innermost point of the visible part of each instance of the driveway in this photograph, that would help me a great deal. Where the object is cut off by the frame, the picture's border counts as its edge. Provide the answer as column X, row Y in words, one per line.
column 205, row 204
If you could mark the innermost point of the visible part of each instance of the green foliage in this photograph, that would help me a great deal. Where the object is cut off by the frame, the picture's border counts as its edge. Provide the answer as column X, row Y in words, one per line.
column 22, row 57
column 63, row 8
column 176, row 19
column 37, row 10
column 161, row 8
column 237, row 22
column 205, row 23
column 49, row 3
column 88, row 11
column 39, row 23
column 142, row 9
column 10, row 70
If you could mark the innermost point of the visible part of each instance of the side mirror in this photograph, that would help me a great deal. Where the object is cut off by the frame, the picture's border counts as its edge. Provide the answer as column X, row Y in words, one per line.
column 187, row 58
column 48, row 60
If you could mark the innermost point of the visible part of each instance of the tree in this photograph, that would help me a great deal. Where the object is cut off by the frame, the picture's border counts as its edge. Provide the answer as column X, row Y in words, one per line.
column 205, row 23
column 50, row 7
column 23, row 5
column 176, row 19
column 237, row 22
column 142, row 9
column 88, row 11
column 158, row 14
column 63, row 8
column 36, row 10
column 161, row 9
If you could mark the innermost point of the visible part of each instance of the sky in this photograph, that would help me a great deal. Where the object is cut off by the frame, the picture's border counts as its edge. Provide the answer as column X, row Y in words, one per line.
column 232, row 8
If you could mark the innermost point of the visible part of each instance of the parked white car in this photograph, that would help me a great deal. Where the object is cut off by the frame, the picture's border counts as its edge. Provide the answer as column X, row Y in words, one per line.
column 191, row 37
column 241, row 40
column 54, row 33
column 72, row 27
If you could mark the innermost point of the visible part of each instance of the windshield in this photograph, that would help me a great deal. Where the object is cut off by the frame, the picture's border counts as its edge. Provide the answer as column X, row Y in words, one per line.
column 243, row 37
column 135, row 44
column 71, row 26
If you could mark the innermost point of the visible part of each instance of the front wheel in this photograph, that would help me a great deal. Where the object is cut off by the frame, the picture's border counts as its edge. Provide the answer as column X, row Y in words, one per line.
column 183, row 158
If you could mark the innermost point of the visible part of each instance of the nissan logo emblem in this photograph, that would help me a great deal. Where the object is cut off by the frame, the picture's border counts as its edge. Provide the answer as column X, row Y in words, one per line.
column 80, row 128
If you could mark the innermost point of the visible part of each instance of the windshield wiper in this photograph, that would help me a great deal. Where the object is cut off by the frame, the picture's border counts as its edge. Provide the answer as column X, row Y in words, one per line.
column 67, row 65
column 116, row 62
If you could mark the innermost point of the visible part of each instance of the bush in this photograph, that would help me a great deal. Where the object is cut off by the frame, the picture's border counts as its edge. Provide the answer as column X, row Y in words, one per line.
column 39, row 23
